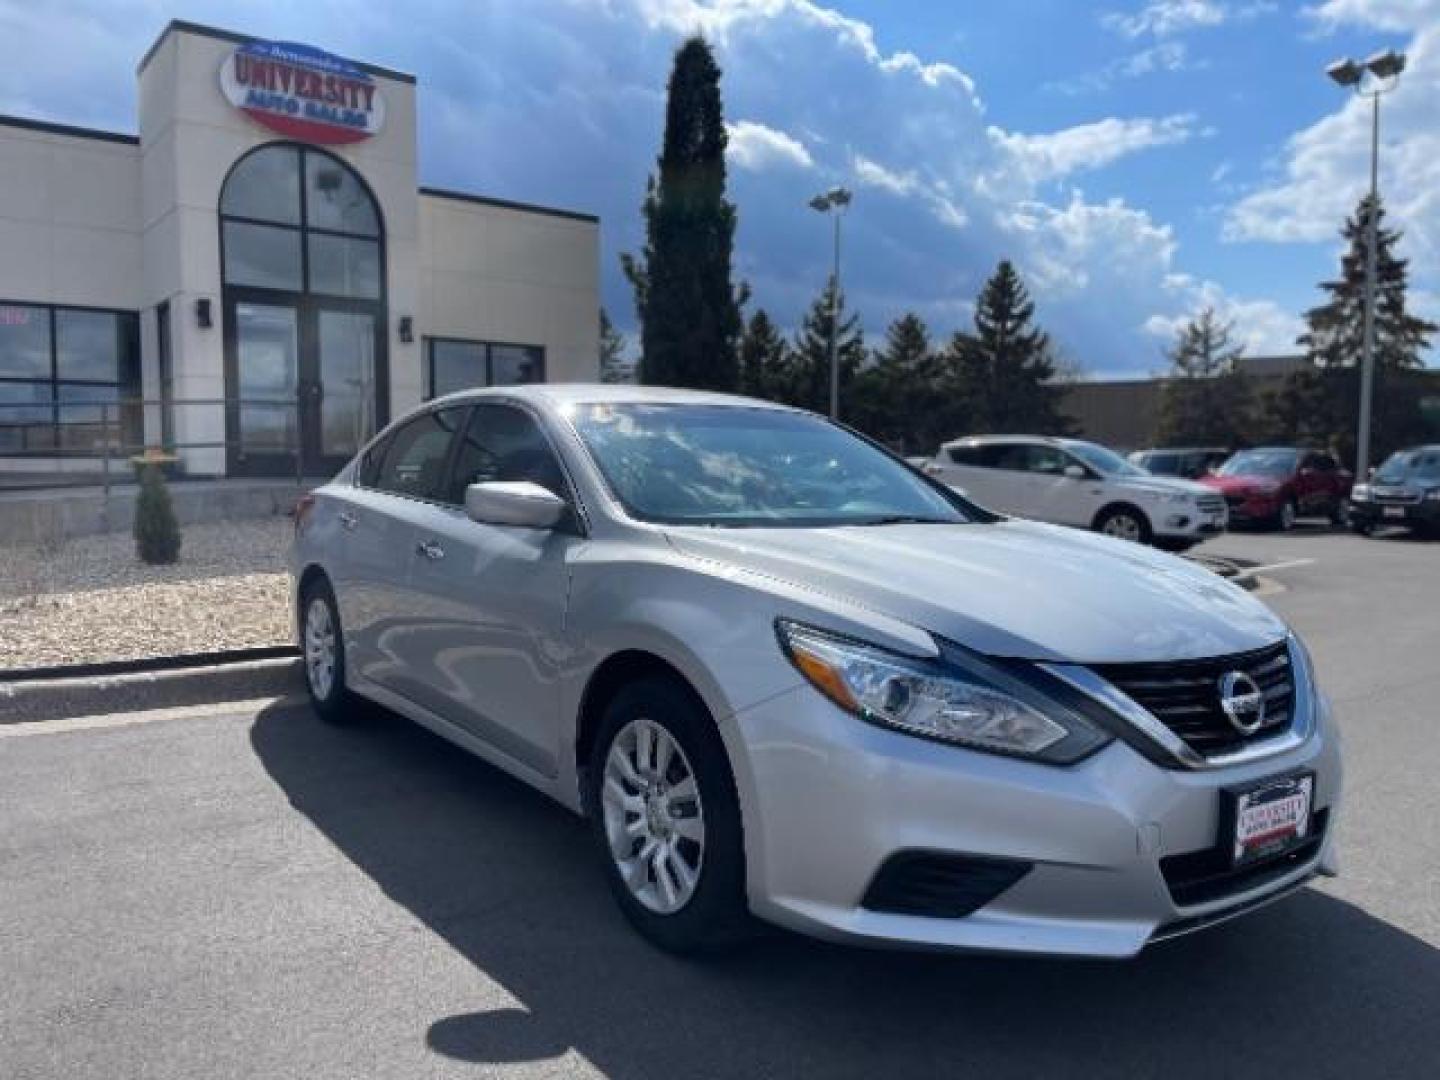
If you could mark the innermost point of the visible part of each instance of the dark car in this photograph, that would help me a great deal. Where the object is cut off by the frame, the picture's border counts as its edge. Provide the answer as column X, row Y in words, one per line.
column 1405, row 490
column 1186, row 462
column 1272, row 486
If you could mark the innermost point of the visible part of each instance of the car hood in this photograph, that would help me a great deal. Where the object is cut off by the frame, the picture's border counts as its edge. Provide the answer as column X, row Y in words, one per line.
column 1235, row 485
column 1011, row 588
column 1159, row 485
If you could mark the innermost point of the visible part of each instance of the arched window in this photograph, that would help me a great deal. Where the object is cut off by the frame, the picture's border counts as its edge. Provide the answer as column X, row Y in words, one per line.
column 299, row 220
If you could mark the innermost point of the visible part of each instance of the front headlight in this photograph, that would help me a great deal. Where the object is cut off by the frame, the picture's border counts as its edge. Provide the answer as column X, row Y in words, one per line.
column 1360, row 493
column 960, row 698
column 1176, row 498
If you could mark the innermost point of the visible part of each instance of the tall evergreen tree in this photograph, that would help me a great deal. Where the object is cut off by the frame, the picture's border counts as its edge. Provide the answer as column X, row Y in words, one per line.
column 1321, row 403
column 896, row 392
column 689, row 311
column 612, row 352
column 809, row 385
column 1006, row 367
column 764, row 359
column 1207, row 399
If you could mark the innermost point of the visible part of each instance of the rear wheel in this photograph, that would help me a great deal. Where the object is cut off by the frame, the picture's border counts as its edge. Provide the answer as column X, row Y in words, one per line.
column 666, row 819
column 1124, row 523
column 322, row 648
column 1285, row 519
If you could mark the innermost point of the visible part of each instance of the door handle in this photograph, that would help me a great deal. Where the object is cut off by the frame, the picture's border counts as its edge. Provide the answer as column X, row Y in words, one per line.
column 430, row 549
column 348, row 521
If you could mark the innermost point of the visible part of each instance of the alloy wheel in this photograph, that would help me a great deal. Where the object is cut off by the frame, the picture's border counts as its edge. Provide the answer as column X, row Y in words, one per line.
column 1122, row 527
column 319, row 648
column 653, row 817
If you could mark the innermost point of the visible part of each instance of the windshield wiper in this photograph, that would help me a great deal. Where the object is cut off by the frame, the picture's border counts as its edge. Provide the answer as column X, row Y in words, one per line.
column 907, row 519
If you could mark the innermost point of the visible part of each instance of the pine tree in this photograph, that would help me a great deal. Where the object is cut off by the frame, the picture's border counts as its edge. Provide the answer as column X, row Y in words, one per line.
column 765, row 367
column 896, row 392
column 1207, row 399
column 689, row 311
column 157, row 532
column 1320, row 404
column 1007, row 368
column 809, row 386
column 612, row 352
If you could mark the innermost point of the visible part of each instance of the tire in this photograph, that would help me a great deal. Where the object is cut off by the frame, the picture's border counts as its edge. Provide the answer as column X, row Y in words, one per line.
column 1361, row 528
column 1338, row 517
column 630, row 808
column 1124, row 523
column 1285, row 519
column 322, row 640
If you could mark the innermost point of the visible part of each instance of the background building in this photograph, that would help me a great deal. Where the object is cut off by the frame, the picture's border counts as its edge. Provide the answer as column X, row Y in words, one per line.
column 258, row 280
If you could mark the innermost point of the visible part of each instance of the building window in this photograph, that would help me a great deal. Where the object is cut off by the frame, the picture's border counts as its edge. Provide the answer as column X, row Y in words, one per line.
column 453, row 364
column 60, row 368
column 298, row 220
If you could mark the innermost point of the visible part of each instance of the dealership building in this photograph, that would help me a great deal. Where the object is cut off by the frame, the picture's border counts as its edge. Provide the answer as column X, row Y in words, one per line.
column 259, row 280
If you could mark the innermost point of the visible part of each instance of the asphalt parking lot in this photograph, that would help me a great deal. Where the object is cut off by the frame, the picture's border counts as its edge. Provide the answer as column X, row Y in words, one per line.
column 244, row 892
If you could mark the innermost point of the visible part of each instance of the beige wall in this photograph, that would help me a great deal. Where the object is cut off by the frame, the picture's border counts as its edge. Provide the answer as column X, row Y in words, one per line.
column 494, row 273
column 69, row 220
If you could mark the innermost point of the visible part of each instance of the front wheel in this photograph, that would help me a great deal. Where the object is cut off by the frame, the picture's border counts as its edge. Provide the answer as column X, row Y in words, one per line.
column 1124, row 523
column 664, row 813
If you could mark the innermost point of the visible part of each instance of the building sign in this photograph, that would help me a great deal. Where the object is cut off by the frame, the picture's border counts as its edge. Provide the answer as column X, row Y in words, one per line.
column 303, row 93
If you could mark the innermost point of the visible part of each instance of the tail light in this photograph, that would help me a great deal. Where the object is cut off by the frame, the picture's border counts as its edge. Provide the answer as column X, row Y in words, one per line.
column 303, row 507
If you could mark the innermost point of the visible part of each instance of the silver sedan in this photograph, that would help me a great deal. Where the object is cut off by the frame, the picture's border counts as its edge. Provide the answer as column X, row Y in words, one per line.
column 786, row 675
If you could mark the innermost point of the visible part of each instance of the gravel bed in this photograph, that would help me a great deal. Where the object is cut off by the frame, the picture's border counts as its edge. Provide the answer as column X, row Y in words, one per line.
column 90, row 599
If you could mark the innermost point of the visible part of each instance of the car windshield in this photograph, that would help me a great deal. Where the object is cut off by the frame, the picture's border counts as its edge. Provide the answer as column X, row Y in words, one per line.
column 687, row 464
column 1409, row 465
column 1260, row 463
column 1103, row 460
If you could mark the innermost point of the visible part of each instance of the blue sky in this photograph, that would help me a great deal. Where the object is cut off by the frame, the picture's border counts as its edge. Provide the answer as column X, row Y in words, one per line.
column 1137, row 159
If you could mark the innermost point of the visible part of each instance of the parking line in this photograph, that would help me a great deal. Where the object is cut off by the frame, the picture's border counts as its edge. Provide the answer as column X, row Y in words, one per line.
column 1256, row 571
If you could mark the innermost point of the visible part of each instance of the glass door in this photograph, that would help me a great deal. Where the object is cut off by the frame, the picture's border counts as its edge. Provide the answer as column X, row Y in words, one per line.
column 263, row 422
column 342, row 417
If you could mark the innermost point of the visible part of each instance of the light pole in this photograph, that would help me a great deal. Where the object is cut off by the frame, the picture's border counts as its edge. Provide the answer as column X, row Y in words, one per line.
column 1384, row 69
column 834, row 202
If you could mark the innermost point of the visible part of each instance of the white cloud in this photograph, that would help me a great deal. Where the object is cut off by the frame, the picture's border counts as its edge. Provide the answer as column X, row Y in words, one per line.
column 1261, row 327
column 873, row 174
column 1089, row 146
column 1393, row 15
column 1163, row 18
column 756, row 147
column 1325, row 167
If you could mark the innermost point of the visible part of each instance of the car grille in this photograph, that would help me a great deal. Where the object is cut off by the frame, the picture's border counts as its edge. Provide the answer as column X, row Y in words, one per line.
column 1185, row 696
column 1200, row 877
column 1210, row 504
column 940, row 885
column 1395, row 496
column 1235, row 500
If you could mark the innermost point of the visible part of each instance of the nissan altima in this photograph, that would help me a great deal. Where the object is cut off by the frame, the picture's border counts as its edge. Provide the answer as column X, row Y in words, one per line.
column 786, row 675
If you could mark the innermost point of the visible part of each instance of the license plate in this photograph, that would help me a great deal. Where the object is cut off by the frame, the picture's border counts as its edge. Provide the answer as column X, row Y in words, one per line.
column 1394, row 511
column 1271, row 818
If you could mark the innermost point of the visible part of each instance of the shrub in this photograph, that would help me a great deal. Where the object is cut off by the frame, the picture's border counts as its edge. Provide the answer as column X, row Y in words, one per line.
column 157, row 533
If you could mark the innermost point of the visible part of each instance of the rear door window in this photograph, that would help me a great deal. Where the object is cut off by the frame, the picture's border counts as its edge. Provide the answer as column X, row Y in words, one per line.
column 415, row 458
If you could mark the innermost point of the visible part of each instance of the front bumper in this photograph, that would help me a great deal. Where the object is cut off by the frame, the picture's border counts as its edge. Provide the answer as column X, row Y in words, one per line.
column 1425, row 513
column 1253, row 507
column 827, row 799
column 1187, row 522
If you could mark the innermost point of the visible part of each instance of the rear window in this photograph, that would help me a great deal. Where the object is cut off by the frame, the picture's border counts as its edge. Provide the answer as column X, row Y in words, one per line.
column 415, row 458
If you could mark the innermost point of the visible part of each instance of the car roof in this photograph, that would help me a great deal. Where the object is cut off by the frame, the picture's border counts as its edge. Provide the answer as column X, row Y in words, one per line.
column 561, row 394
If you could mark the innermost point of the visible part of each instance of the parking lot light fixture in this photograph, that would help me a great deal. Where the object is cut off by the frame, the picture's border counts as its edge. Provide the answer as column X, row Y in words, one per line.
column 1384, row 69
column 834, row 202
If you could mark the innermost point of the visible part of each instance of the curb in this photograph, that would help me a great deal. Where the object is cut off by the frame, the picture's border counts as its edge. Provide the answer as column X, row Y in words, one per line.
column 167, row 683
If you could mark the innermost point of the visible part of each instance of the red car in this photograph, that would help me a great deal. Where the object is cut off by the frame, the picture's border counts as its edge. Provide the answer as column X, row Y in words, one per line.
column 1274, row 485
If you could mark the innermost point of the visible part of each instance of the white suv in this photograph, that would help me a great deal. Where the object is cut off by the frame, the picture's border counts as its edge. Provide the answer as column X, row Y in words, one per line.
column 1071, row 482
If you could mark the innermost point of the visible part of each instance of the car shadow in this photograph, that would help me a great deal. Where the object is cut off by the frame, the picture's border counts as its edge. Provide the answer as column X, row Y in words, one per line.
column 1310, row 986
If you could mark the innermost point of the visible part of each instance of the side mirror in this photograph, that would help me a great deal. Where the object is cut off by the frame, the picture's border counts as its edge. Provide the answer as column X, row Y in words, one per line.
column 521, row 503
column 1075, row 472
